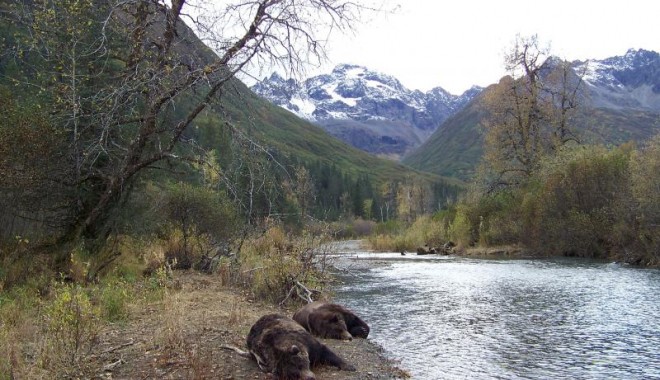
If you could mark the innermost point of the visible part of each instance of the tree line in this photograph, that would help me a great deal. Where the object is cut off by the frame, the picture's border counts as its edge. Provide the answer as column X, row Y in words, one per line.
column 112, row 124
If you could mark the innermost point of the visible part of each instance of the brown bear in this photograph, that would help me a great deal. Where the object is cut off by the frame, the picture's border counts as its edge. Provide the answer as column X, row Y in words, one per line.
column 330, row 320
column 287, row 351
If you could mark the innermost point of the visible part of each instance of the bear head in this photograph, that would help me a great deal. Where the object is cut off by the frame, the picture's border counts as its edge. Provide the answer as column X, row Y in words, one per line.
column 292, row 363
column 335, row 327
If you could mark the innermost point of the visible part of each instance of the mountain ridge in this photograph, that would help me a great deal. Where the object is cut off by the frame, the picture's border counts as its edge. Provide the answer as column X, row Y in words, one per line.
column 624, row 105
column 367, row 109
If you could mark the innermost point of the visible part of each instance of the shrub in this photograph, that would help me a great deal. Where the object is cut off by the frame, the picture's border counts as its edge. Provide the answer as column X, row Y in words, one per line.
column 272, row 264
column 583, row 196
column 461, row 229
column 363, row 227
column 199, row 217
column 390, row 227
column 113, row 299
column 71, row 326
column 645, row 180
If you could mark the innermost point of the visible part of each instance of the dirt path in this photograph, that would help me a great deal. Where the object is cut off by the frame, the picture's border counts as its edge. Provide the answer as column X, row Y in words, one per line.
column 179, row 338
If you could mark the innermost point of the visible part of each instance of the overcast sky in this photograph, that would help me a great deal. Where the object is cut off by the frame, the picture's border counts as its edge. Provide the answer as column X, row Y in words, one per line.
column 459, row 43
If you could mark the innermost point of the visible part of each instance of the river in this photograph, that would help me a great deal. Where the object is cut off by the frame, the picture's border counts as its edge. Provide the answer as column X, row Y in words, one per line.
column 465, row 318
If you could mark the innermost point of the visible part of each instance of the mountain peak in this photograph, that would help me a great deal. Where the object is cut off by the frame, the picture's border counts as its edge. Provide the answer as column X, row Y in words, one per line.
column 371, row 110
column 641, row 53
column 638, row 71
column 349, row 70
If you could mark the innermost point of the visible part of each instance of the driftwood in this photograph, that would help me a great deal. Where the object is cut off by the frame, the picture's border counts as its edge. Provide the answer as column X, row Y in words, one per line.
column 110, row 367
column 242, row 353
column 446, row 249
column 301, row 291
column 113, row 349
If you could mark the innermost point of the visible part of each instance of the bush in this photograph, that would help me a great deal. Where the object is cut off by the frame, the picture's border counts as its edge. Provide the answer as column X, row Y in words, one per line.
column 461, row 230
column 425, row 230
column 584, row 201
column 113, row 300
column 363, row 227
column 645, row 173
column 200, row 219
column 390, row 227
column 71, row 326
column 270, row 265
column 582, row 198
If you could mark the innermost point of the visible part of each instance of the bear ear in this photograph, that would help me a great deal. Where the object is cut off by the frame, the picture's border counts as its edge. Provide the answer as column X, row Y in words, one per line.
column 334, row 319
column 294, row 350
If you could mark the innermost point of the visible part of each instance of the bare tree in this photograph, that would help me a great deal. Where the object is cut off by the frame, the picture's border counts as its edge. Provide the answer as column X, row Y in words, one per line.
column 530, row 112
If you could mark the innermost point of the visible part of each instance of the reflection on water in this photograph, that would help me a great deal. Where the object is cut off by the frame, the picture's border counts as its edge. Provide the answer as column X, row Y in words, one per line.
column 459, row 318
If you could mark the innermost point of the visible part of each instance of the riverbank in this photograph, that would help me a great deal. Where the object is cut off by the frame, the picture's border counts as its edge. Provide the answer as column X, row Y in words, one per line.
column 508, row 251
column 180, row 338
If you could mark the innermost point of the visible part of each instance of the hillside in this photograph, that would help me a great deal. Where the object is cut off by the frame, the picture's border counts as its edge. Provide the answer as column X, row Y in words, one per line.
column 622, row 104
column 299, row 139
column 170, row 128
column 456, row 147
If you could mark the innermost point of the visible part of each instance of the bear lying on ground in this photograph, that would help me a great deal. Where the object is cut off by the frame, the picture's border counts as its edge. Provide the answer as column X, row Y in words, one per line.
column 329, row 320
column 287, row 351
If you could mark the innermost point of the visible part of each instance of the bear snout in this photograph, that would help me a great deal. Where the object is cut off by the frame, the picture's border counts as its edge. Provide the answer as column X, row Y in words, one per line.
column 345, row 335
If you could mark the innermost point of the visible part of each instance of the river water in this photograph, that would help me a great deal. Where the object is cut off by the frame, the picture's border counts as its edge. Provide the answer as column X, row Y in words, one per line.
column 464, row 318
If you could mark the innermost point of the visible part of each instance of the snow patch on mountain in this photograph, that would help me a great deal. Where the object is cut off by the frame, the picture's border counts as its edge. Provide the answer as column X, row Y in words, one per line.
column 628, row 81
column 353, row 98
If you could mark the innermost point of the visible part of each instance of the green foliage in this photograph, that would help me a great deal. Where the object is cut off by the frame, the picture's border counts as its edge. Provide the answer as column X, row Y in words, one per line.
column 455, row 149
column 32, row 163
column 200, row 210
column 389, row 227
column 645, row 180
column 582, row 199
column 202, row 216
column 586, row 201
column 113, row 300
column 426, row 230
column 461, row 230
column 71, row 323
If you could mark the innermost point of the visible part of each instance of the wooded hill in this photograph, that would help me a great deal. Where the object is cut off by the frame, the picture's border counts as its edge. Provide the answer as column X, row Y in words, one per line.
column 618, row 105
column 103, row 103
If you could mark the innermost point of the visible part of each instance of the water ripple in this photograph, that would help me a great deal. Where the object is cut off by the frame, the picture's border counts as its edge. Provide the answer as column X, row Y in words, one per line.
column 512, row 319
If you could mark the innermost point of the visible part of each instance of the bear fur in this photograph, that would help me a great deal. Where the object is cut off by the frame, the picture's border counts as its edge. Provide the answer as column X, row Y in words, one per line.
column 330, row 320
column 287, row 351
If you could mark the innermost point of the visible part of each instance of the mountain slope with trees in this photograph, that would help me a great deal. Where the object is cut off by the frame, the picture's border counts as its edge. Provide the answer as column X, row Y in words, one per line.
column 620, row 104
column 540, row 187
column 129, row 97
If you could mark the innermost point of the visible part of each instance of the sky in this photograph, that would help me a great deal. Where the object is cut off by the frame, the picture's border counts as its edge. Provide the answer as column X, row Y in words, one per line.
column 455, row 44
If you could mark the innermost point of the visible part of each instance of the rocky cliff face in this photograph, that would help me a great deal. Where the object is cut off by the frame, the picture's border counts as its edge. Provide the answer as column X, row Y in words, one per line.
column 367, row 109
column 630, row 81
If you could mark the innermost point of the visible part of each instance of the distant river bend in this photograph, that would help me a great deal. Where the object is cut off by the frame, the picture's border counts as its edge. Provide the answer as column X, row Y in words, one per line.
column 465, row 318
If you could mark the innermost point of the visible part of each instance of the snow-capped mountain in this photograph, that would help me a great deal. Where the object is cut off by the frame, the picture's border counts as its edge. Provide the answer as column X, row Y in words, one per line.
column 630, row 81
column 621, row 104
column 367, row 109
